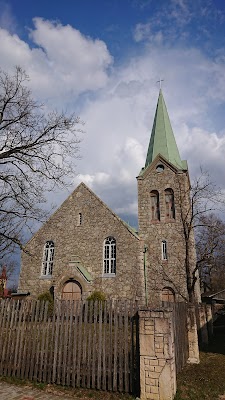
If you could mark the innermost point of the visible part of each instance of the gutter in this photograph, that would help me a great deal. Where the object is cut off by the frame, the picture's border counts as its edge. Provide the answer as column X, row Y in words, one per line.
column 145, row 275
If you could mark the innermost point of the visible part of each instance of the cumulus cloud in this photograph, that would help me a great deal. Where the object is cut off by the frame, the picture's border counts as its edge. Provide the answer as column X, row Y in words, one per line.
column 62, row 63
column 204, row 148
column 118, row 107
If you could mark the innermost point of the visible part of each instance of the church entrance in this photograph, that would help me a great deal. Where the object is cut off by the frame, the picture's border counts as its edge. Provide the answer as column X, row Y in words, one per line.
column 168, row 295
column 71, row 291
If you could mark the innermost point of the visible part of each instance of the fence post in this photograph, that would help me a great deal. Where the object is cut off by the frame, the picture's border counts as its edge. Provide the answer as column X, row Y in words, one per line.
column 157, row 356
column 193, row 349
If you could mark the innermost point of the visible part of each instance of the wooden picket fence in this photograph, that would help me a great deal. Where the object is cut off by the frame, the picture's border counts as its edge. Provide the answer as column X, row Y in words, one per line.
column 180, row 315
column 79, row 344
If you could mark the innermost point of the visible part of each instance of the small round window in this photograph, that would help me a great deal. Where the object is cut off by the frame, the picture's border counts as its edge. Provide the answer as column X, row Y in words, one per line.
column 160, row 168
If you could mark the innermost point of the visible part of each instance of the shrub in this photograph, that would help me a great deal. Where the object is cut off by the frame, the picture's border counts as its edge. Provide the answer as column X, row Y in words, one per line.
column 47, row 297
column 97, row 295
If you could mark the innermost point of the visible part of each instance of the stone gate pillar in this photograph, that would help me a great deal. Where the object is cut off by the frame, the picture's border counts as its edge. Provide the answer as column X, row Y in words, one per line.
column 193, row 349
column 157, row 356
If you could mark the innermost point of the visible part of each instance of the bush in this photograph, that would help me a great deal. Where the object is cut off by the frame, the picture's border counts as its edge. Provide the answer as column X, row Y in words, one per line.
column 46, row 296
column 97, row 295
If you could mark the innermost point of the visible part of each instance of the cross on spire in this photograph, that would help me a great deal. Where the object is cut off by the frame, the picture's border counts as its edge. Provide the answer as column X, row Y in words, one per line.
column 160, row 83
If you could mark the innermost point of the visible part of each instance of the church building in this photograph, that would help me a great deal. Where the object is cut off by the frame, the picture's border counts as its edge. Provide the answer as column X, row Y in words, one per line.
column 85, row 246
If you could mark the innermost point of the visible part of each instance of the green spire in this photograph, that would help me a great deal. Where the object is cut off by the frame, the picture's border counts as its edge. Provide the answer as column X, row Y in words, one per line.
column 162, row 139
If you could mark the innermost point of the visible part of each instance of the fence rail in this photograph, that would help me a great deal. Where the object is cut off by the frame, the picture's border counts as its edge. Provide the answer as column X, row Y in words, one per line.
column 78, row 344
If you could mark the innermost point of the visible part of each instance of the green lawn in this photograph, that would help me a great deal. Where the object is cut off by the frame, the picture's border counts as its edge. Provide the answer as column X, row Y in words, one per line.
column 205, row 381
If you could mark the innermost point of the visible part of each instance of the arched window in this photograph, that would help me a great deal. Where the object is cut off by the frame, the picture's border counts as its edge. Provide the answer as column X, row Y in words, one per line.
column 110, row 255
column 47, row 264
column 169, row 203
column 155, row 216
column 164, row 250
column 168, row 295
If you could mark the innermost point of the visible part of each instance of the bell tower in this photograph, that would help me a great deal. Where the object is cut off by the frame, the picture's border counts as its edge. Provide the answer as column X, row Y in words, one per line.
column 163, row 197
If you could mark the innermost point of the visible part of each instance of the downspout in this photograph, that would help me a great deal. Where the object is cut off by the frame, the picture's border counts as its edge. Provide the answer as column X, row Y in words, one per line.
column 145, row 275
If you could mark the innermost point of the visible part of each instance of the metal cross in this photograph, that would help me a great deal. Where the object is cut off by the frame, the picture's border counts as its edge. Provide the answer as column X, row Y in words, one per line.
column 160, row 83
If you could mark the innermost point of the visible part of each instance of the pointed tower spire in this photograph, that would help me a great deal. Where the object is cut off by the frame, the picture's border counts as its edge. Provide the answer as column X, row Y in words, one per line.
column 162, row 139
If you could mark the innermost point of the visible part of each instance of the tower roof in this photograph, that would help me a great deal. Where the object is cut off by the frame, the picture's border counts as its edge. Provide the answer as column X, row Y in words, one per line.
column 162, row 139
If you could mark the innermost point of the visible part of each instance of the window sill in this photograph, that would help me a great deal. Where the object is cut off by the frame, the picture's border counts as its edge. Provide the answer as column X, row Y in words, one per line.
column 47, row 277
column 108, row 275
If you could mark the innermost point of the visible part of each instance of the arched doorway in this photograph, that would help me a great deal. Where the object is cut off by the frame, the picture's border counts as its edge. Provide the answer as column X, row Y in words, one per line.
column 168, row 295
column 71, row 291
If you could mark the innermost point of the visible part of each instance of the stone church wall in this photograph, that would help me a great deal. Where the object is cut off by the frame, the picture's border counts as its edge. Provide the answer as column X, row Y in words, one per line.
column 84, row 243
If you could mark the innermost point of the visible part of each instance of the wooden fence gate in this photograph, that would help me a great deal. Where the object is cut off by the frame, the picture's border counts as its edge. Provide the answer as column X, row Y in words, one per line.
column 180, row 315
column 79, row 344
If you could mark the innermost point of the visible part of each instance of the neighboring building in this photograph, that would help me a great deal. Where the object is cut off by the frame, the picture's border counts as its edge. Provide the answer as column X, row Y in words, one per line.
column 4, row 293
column 85, row 246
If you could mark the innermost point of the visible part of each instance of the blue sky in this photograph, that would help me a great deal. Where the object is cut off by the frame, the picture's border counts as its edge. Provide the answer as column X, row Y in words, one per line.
column 101, row 59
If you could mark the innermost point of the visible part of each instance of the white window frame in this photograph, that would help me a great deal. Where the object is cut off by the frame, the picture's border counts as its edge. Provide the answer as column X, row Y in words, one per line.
column 109, row 256
column 164, row 250
column 48, row 257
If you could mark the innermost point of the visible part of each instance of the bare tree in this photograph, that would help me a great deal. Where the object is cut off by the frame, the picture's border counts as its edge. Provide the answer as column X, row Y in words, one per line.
column 204, row 198
column 210, row 244
column 37, row 152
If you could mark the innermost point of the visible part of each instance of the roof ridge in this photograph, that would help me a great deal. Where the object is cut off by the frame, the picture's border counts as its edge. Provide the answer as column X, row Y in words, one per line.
column 98, row 198
column 112, row 212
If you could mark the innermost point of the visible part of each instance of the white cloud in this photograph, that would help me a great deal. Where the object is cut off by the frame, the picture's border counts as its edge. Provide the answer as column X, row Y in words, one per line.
column 63, row 62
column 203, row 148
column 146, row 32
column 7, row 19
column 142, row 31
column 119, row 115
column 100, row 178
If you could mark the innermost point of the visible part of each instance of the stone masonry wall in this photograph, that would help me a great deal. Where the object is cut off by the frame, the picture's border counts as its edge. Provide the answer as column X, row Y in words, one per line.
column 85, row 243
column 170, row 272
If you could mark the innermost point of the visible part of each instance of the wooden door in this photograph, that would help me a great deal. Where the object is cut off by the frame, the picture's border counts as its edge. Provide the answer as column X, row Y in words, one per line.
column 71, row 291
column 168, row 295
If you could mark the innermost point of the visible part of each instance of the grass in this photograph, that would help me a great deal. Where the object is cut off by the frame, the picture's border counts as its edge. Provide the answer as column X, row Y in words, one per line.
column 205, row 381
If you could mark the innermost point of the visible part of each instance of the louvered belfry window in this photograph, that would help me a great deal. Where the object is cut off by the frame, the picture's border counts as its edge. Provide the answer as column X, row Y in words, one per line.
column 155, row 211
column 169, row 203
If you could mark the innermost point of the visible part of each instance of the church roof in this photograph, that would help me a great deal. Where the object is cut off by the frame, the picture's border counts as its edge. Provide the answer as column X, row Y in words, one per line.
column 162, row 139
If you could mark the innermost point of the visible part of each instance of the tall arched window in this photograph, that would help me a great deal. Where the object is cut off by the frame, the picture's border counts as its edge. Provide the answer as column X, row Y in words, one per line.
column 169, row 203
column 110, row 255
column 155, row 213
column 48, row 256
